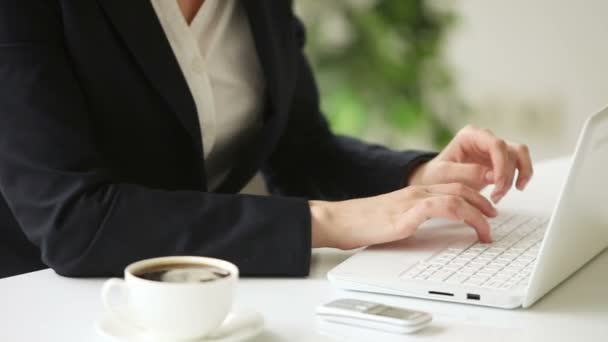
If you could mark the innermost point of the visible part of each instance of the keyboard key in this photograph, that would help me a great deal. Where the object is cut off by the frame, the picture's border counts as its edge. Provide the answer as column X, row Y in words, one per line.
column 492, row 284
column 511, row 269
column 485, row 272
column 467, row 270
column 479, row 278
column 459, row 278
column 501, row 277
column 502, row 260
column 497, row 264
column 450, row 267
column 477, row 264
column 425, row 274
column 458, row 262
column 517, row 250
column 504, row 273
column 440, row 276
column 484, row 258
column 466, row 256
column 477, row 249
column 509, row 254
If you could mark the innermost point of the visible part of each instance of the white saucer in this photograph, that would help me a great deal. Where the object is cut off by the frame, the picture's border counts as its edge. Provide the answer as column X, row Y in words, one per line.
column 116, row 330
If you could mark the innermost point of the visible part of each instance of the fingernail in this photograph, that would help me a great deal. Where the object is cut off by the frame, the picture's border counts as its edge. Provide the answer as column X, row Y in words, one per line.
column 489, row 177
column 521, row 184
column 493, row 210
column 496, row 198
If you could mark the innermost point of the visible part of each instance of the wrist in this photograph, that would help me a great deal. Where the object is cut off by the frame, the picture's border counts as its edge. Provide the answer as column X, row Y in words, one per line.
column 320, row 217
column 416, row 177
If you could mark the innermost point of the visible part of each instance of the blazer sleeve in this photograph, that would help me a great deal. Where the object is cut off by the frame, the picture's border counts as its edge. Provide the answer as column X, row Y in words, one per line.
column 313, row 162
column 65, row 200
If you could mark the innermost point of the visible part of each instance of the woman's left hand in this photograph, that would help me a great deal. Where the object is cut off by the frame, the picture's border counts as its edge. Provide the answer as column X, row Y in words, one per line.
column 477, row 158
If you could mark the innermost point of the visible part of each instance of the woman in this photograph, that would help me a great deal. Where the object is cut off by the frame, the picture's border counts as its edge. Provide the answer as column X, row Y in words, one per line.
column 128, row 128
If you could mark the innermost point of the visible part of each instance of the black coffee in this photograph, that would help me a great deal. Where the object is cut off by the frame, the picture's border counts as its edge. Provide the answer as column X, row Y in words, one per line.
column 183, row 273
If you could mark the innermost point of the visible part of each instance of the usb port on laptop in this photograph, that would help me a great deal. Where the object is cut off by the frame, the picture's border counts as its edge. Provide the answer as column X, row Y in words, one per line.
column 473, row 296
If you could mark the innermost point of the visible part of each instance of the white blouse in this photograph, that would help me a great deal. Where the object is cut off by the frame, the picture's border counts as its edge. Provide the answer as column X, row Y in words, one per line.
column 217, row 56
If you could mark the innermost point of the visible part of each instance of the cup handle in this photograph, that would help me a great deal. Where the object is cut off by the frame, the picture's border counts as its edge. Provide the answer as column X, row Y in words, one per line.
column 112, row 306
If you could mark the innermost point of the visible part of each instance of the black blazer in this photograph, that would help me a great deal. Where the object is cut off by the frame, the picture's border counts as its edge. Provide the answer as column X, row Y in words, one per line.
column 101, row 154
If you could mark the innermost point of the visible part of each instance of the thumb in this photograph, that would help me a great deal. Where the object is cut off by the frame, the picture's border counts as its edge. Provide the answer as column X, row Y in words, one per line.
column 474, row 175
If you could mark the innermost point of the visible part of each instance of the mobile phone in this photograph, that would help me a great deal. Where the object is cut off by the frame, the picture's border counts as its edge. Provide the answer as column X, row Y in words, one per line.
column 373, row 315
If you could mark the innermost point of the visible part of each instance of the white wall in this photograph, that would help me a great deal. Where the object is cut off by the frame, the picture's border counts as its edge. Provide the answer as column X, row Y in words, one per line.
column 531, row 70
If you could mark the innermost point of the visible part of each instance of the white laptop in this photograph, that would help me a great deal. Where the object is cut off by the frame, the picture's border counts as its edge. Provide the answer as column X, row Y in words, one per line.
column 528, row 257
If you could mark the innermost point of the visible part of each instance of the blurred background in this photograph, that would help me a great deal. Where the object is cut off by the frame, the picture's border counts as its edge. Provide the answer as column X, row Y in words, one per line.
column 410, row 73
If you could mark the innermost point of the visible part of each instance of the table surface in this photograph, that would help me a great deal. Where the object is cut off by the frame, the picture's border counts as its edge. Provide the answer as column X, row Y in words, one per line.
column 42, row 306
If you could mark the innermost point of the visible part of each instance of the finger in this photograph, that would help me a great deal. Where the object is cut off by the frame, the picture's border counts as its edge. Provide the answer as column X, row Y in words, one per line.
column 503, row 168
column 524, row 165
column 499, row 192
column 475, row 176
column 450, row 207
column 472, row 196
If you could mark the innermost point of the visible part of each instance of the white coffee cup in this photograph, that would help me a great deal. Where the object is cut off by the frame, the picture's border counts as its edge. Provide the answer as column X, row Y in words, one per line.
column 167, row 310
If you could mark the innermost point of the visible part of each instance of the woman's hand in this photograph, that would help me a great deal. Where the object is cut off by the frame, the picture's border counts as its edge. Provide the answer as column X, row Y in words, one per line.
column 476, row 157
column 397, row 215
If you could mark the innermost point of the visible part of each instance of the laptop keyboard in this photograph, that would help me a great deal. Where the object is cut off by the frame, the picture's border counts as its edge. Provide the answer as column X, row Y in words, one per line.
column 505, row 263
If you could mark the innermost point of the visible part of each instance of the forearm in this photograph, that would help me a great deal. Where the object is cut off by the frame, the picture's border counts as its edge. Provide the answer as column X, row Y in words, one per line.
column 337, row 168
column 98, row 232
column 372, row 170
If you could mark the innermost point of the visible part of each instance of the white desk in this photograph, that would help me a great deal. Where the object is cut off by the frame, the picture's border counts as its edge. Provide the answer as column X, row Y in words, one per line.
column 42, row 306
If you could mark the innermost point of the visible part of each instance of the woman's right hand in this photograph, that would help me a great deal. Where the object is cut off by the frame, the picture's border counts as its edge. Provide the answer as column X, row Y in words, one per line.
column 396, row 215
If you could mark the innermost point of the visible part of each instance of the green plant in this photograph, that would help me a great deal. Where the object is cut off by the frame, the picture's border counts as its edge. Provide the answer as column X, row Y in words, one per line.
column 376, row 62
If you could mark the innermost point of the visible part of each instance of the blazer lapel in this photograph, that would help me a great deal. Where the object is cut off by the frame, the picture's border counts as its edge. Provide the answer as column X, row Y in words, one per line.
column 138, row 25
column 276, row 54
